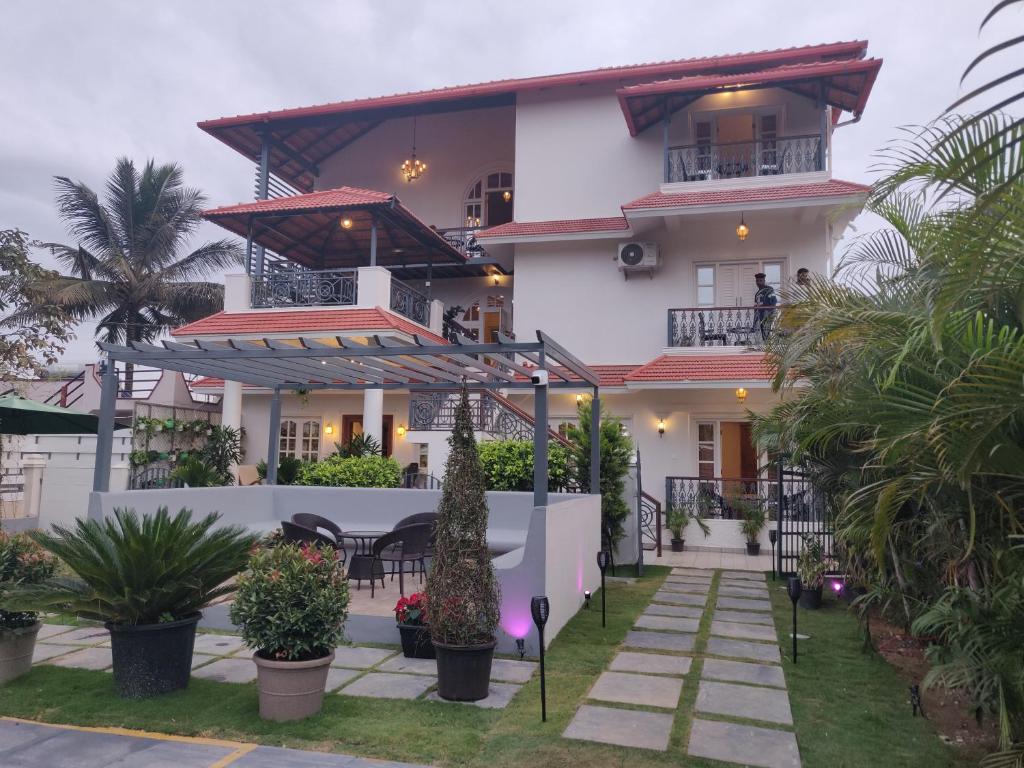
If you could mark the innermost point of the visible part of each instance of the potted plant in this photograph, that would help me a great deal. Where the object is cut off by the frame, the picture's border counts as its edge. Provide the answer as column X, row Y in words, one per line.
column 147, row 579
column 461, row 587
column 676, row 520
column 291, row 606
column 22, row 561
column 411, row 615
column 751, row 525
column 811, row 569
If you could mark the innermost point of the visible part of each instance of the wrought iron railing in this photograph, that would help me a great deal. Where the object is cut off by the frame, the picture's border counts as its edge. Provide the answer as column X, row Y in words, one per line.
column 407, row 301
column 463, row 239
column 704, row 162
column 721, row 326
column 304, row 288
column 452, row 329
column 491, row 413
column 422, row 480
column 153, row 477
column 721, row 498
column 69, row 392
column 650, row 522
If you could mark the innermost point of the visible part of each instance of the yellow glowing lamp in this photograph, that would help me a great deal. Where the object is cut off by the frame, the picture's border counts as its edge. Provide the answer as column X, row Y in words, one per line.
column 661, row 427
column 401, row 430
column 742, row 230
column 346, row 223
column 328, row 429
column 741, row 394
column 506, row 196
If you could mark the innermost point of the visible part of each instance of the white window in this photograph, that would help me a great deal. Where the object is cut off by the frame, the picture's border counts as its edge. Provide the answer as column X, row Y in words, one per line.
column 706, row 286
column 489, row 200
column 731, row 284
column 300, row 438
column 706, row 444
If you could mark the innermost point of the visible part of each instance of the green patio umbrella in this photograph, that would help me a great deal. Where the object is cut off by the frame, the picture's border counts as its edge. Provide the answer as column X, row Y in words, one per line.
column 20, row 416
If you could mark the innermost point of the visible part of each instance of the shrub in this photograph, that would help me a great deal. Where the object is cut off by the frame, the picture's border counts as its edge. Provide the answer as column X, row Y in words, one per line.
column 508, row 465
column 132, row 571
column 287, row 470
column 362, row 444
column 352, row 472
column 22, row 561
column 412, row 610
column 811, row 565
column 461, row 586
column 292, row 603
column 753, row 521
column 195, row 473
column 223, row 447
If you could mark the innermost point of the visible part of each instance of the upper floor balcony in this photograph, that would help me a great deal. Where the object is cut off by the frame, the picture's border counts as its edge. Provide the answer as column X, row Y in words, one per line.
column 706, row 161
column 749, row 326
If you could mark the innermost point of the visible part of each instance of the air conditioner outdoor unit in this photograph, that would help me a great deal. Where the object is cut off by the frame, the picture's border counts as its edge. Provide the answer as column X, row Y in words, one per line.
column 634, row 257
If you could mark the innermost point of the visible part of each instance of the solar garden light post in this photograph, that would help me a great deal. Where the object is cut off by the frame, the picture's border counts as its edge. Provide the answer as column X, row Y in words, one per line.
column 540, row 608
column 603, row 557
column 773, row 536
column 794, row 587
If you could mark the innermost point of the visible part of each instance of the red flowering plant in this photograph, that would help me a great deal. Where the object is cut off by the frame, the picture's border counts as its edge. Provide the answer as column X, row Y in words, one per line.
column 292, row 603
column 412, row 610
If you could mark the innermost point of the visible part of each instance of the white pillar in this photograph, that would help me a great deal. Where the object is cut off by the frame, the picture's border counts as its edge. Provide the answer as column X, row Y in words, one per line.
column 32, row 466
column 231, row 410
column 374, row 287
column 236, row 293
column 373, row 414
column 436, row 323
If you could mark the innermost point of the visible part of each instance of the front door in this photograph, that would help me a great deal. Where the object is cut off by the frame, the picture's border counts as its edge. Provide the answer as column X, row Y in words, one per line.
column 726, row 454
column 732, row 283
column 352, row 425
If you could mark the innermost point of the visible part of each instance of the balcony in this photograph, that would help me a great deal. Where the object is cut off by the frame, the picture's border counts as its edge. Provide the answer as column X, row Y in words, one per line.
column 721, row 326
column 296, row 287
column 707, row 162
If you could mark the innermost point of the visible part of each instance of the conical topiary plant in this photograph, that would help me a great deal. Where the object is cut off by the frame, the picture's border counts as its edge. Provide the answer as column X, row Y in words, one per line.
column 461, row 587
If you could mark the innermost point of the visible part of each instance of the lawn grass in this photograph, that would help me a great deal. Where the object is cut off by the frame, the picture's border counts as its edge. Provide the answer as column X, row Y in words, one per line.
column 849, row 706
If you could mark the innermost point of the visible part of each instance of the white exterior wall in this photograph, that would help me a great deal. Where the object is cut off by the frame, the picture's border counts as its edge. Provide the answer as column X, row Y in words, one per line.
column 798, row 115
column 458, row 148
column 575, row 292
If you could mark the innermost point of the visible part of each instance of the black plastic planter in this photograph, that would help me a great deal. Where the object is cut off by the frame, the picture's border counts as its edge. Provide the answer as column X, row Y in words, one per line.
column 810, row 598
column 753, row 548
column 464, row 671
column 677, row 545
column 416, row 641
column 151, row 659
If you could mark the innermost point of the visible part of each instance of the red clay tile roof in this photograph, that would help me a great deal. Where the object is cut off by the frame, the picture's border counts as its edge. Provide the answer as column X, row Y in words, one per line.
column 313, row 201
column 303, row 321
column 825, row 189
column 612, row 375
column 556, row 227
column 671, row 368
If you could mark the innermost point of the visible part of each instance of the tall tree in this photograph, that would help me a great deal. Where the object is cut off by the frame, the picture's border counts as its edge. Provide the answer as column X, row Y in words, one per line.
column 129, row 268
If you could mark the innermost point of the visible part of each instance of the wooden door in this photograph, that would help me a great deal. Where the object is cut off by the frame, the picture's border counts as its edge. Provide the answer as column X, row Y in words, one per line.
column 352, row 425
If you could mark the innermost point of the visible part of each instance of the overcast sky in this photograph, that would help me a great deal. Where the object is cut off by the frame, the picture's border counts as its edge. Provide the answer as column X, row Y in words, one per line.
column 86, row 82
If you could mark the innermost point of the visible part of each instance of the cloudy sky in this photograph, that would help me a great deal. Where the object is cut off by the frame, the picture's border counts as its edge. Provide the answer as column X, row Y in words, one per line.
column 86, row 82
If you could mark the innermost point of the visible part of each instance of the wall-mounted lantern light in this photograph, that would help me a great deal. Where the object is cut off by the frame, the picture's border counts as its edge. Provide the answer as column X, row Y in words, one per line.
column 506, row 196
column 579, row 399
column 328, row 429
column 401, row 430
column 661, row 427
column 741, row 395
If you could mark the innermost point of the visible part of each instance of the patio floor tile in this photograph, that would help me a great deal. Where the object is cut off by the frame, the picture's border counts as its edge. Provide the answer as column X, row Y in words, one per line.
column 198, row 659
column 643, row 690
column 512, row 671
column 650, row 663
column 743, row 672
column 627, row 728
column 687, row 611
column 743, row 744
column 338, row 676
column 409, row 666
column 743, row 617
column 743, row 631
column 744, row 701
column 45, row 651
column 228, row 671
column 219, row 645
column 498, row 697
column 744, row 604
column 675, row 598
column 355, row 657
column 389, row 685
column 742, row 649
column 49, row 630
column 669, row 623
column 660, row 641
column 81, row 636
column 85, row 658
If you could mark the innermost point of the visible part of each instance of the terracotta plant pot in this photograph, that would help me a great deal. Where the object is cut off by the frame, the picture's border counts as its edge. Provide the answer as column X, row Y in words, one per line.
column 464, row 671
column 753, row 548
column 16, row 648
column 677, row 545
column 416, row 641
column 810, row 598
column 291, row 690
column 151, row 659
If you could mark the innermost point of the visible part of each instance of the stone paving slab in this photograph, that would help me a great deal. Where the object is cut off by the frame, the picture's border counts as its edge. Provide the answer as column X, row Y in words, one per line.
column 743, row 649
column 46, row 651
column 688, row 611
column 693, row 572
column 697, row 580
column 512, row 671
column 338, row 676
column 198, row 659
column 355, row 657
column 744, row 701
column 740, row 631
column 85, row 658
column 743, row 617
column 498, row 696
column 746, row 575
column 650, row 663
column 659, row 641
column 757, row 594
column 692, row 589
column 228, row 671
column 743, row 672
column 642, row 690
column 675, row 598
column 626, row 728
column 744, row 604
column 219, row 645
column 668, row 623
column 412, row 666
column 81, row 636
column 732, row 581
column 47, row 631
column 388, row 685
column 743, row 744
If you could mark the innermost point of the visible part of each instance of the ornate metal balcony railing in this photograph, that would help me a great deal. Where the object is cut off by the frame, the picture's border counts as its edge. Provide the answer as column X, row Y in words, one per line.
column 492, row 414
column 407, row 301
column 703, row 162
column 726, row 498
column 463, row 239
column 721, row 326
column 304, row 288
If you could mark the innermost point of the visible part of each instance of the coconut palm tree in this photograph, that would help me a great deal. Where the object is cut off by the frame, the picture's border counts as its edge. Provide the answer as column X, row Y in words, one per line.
column 129, row 268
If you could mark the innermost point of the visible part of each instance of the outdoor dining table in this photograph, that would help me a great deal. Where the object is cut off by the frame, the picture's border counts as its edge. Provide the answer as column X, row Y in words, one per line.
column 360, row 565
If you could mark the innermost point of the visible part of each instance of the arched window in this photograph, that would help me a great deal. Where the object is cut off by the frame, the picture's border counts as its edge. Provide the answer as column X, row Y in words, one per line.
column 489, row 200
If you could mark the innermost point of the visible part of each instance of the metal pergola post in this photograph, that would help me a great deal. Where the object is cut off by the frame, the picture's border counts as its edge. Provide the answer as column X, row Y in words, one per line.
column 105, row 431
column 595, row 443
column 262, row 190
column 540, row 439
column 274, row 439
column 373, row 242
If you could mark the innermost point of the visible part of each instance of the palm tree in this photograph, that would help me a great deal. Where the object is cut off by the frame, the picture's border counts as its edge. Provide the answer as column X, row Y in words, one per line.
column 128, row 269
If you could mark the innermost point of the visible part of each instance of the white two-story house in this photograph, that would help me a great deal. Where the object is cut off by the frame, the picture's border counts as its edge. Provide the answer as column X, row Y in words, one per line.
column 623, row 211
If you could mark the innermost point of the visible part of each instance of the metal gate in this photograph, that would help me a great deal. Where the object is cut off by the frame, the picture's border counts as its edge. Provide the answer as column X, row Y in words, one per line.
column 802, row 510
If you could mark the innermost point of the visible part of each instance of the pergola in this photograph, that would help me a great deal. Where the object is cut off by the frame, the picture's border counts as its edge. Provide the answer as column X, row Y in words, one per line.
column 345, row 363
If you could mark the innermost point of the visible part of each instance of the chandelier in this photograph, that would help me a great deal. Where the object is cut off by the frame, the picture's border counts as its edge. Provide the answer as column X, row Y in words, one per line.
column 413, row 167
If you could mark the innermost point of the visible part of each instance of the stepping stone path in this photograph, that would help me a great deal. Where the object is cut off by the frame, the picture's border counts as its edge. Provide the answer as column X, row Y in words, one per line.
column 734, row 665
column 380, row 673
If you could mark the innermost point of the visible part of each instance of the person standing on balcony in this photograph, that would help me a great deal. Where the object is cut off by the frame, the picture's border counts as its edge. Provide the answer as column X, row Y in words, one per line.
column 764, row 301
column 803, row 276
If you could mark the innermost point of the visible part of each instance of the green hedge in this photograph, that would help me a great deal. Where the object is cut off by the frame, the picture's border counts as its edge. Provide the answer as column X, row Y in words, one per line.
column 352, row 472
column 508, row 465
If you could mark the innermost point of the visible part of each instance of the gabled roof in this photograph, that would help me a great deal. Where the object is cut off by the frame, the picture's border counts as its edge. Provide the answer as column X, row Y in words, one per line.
column 303, row 322
column 826, row 191
column 684, row 368
column 515, row 229
column 844, row 84
column 304, row 137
